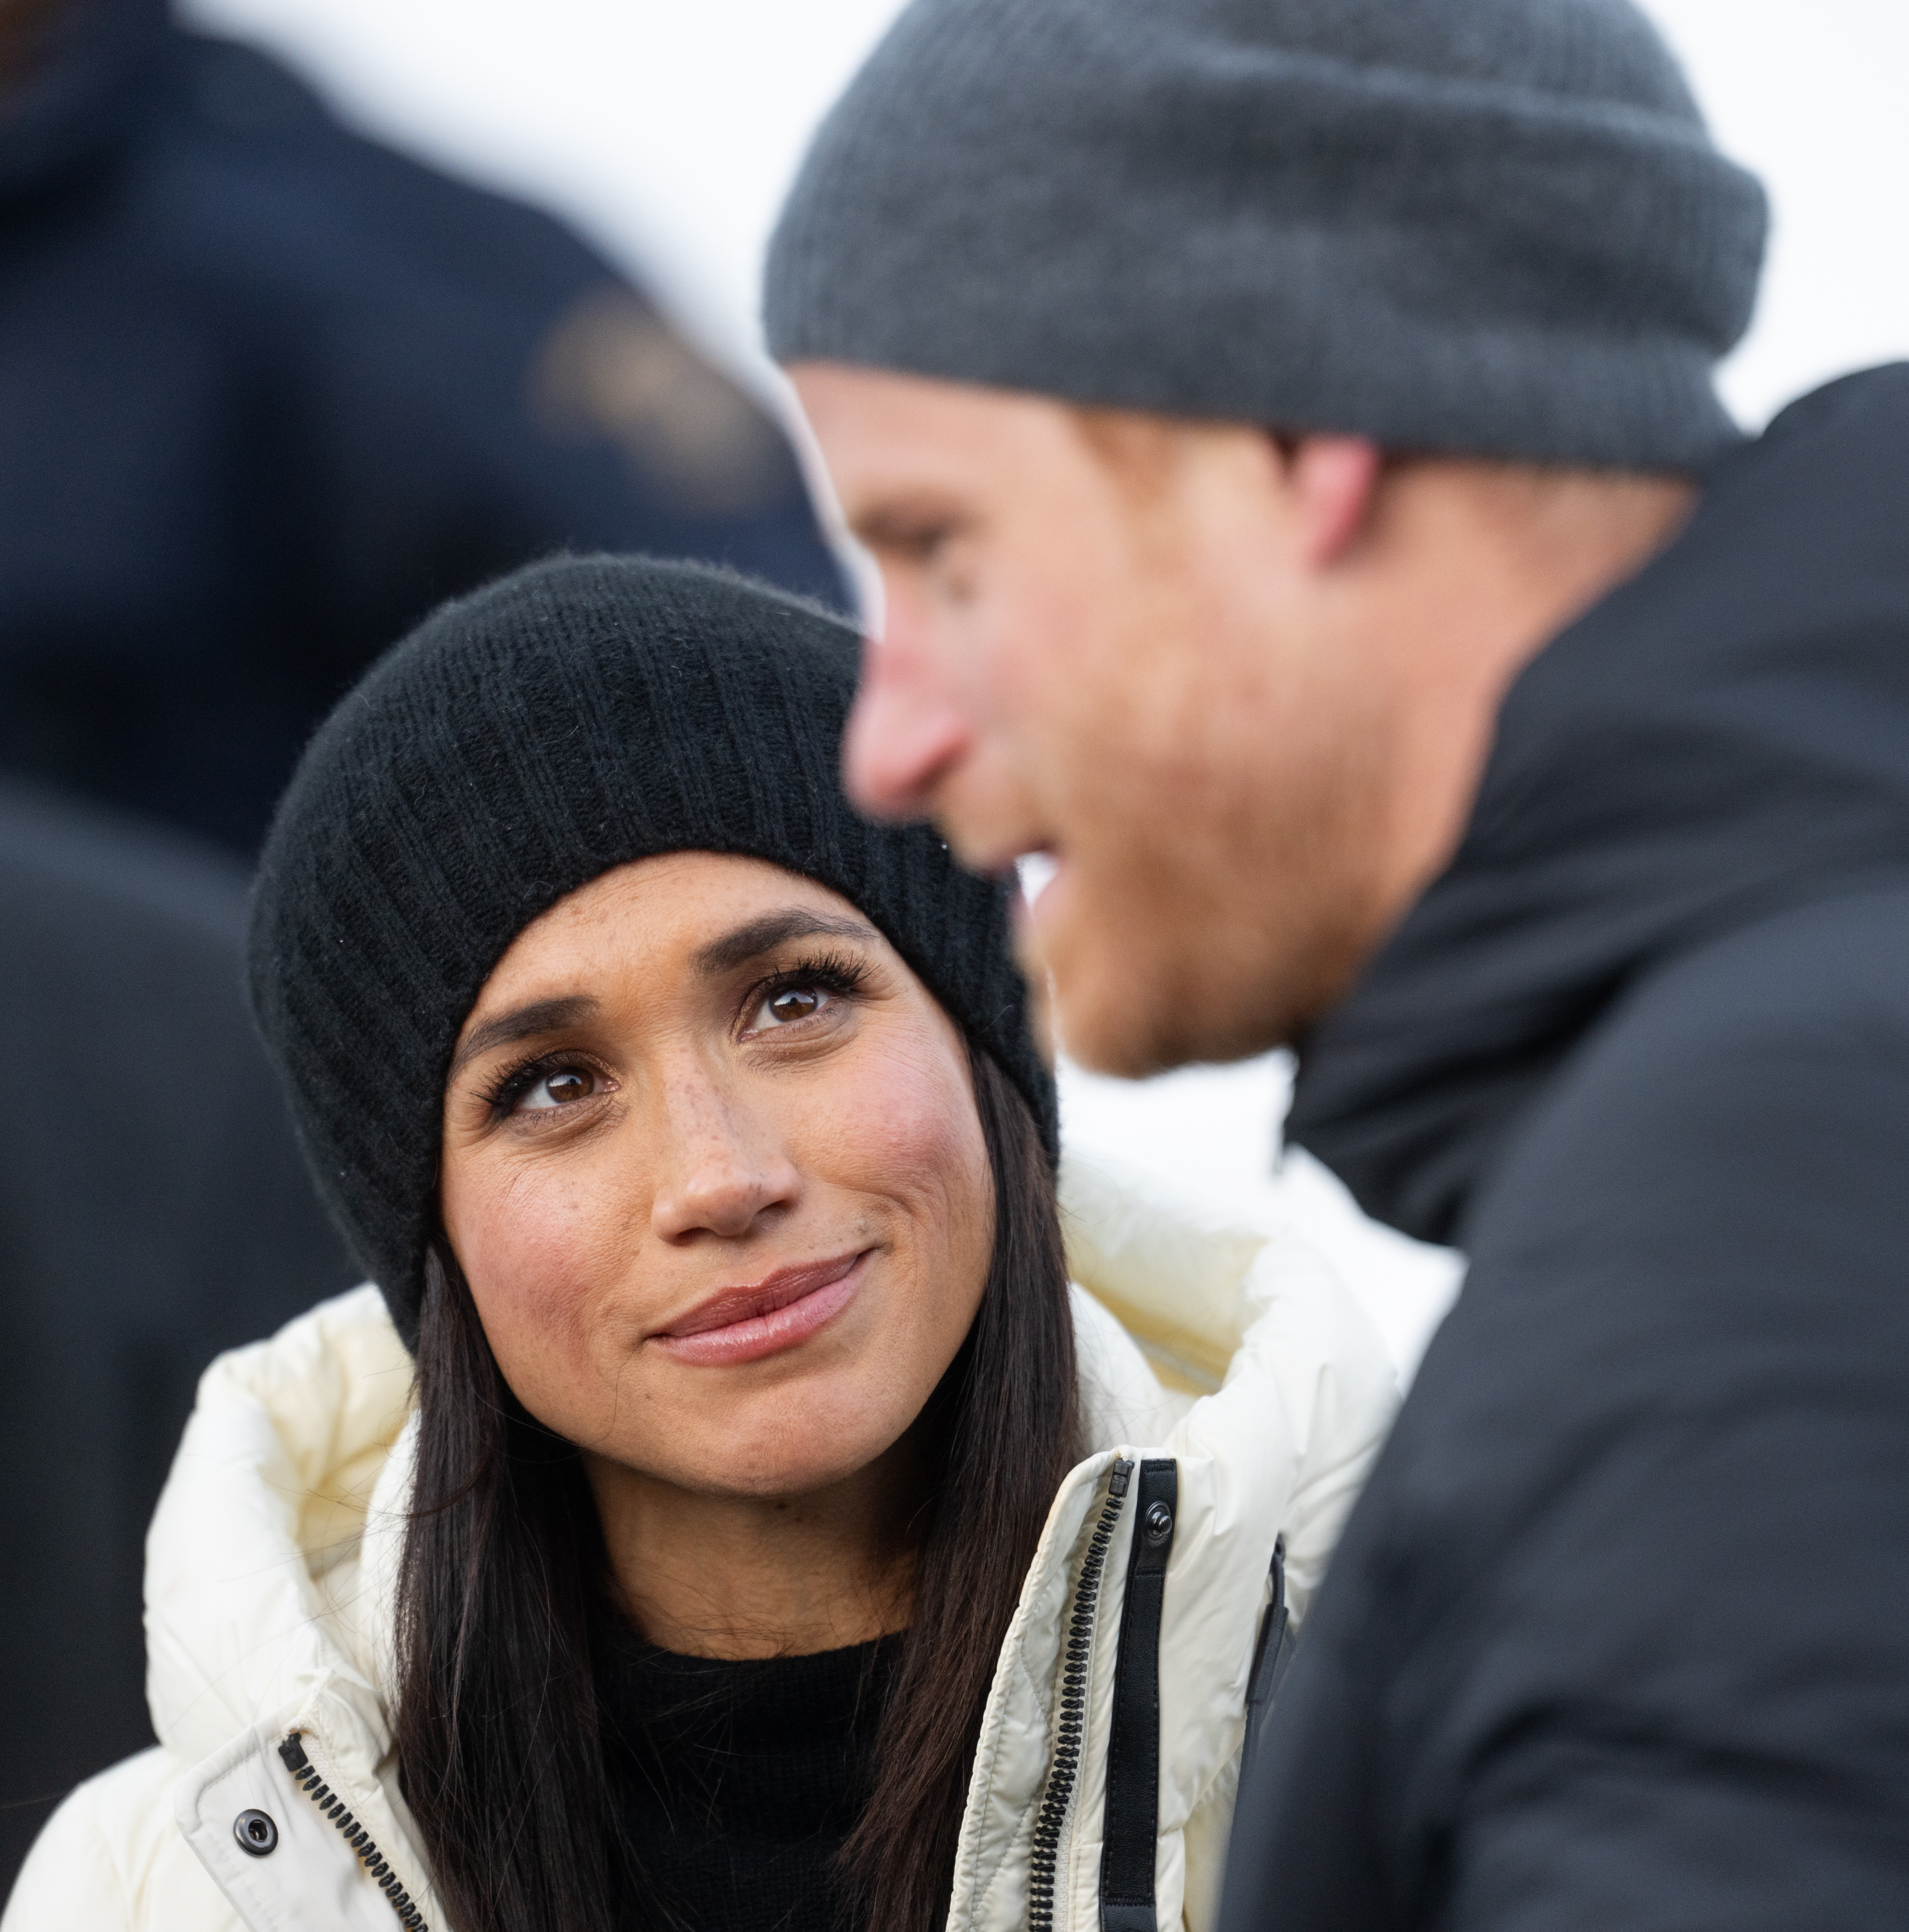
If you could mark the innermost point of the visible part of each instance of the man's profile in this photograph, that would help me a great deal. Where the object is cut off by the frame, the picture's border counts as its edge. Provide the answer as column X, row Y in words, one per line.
column 1287, row 434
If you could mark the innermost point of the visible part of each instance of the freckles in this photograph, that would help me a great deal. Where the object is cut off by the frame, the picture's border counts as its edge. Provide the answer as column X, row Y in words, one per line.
column 533, row 1233
column 909, row 1117
column 905, row 1130
column 533, row 1257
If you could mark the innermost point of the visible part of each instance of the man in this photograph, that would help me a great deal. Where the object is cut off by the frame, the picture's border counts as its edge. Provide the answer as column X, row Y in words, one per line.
column 1287, row 433
column 270, row 391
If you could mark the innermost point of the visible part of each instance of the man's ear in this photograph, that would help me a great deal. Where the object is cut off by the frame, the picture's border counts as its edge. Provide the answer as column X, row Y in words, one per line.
column 1334, row 480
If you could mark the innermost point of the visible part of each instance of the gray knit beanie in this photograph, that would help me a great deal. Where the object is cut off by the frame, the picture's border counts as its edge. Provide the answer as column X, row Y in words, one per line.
column 523, row 742
column 1486, row 227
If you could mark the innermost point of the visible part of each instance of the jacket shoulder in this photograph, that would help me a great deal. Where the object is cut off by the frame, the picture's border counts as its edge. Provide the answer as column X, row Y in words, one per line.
column 111, row 1859
column 1744, row 1104
column 1621, row 1606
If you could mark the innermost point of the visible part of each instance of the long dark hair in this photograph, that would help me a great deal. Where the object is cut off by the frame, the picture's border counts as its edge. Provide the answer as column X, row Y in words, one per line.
column 496, row 1723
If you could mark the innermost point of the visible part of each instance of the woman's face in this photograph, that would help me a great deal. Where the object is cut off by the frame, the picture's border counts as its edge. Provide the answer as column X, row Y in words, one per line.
column 713, row 1169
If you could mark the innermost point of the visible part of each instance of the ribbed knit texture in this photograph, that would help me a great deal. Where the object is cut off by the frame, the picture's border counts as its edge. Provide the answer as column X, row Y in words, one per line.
column 1493, row 227
column 582, row 714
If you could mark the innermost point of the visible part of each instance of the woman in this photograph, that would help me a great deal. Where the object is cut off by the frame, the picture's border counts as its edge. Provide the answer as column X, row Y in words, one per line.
column 774, row 1537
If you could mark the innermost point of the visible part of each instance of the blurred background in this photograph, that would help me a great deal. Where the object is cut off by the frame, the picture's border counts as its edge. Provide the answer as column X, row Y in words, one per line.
column 312, row 312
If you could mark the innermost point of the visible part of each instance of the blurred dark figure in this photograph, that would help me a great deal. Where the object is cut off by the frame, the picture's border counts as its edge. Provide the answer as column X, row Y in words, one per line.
column 153, row 1211
column 269, row 391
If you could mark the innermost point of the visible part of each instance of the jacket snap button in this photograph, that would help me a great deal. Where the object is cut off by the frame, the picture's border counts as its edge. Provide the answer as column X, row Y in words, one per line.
column 256, row 1833
column 1159, row 1522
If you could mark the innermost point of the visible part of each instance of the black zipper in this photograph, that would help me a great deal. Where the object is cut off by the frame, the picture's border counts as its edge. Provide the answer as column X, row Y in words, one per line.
column 305, row 1775
column 1065, row 1770
column 1129, row 1836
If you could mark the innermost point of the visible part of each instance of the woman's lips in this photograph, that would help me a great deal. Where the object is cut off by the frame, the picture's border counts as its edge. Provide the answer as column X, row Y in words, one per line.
column 744, row 1324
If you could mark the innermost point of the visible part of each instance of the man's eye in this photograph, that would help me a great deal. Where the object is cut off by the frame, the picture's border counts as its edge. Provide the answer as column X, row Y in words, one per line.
column 791, row 1003
column 559, row 1089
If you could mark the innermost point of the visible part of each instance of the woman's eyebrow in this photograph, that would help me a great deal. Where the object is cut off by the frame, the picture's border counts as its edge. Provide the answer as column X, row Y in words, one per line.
column 773, row 929
column 522, row 1022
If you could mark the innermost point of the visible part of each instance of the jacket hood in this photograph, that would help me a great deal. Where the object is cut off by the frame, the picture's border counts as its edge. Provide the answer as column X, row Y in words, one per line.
column 271, row 1563
column 1723, row 737
column 84, row 96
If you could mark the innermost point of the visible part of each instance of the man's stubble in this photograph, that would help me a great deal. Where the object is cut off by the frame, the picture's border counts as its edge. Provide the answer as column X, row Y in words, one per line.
column 1221, row 826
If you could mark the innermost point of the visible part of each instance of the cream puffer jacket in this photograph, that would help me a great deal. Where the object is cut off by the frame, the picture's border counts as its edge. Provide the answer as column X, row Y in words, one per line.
column 272, row 1800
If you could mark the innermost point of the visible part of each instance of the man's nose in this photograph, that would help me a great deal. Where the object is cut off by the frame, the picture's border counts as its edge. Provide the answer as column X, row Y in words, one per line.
column 903, row 734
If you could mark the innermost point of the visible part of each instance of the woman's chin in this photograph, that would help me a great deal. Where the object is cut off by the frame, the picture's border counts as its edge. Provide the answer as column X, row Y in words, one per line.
column 795, row 1448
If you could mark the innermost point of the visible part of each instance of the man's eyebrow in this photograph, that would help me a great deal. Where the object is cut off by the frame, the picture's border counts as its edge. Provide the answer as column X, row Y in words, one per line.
column 773, row 929
column 901, row 524
column 523, row 1022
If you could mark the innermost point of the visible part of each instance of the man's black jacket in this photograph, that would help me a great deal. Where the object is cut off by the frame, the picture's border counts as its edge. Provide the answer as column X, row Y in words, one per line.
column 269, row 391
column 1618, row 1637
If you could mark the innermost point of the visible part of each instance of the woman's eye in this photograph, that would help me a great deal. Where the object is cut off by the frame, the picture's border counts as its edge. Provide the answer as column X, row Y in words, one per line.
column 792, row 1003
column 559, row 1089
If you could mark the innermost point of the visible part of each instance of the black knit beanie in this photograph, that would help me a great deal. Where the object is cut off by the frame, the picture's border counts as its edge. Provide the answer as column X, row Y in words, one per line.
column 523, row 741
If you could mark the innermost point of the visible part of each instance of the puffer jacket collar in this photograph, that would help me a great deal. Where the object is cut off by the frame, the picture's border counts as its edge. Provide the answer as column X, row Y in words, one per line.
column 271, row 1575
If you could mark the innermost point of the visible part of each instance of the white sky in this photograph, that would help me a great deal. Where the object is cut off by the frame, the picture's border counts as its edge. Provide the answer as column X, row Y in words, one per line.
column 668, row 132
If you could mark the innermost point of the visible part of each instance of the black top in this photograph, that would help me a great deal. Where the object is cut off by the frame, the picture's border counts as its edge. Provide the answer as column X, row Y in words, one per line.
column 738, row 1782
column 1618, row 1636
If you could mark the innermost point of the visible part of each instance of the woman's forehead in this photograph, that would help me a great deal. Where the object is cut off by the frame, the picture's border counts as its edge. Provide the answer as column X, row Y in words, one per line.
column 695, row 913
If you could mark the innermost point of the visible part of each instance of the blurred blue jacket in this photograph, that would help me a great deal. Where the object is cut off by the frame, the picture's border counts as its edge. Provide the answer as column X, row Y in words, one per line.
column 270, row 391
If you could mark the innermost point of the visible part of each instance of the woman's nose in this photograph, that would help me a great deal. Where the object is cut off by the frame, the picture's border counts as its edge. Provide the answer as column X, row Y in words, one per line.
column 722, row 1171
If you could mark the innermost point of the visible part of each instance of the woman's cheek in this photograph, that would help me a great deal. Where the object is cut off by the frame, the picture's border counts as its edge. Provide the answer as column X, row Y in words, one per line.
column 899, row 1110
column 531, row 1251
column 904, row 1127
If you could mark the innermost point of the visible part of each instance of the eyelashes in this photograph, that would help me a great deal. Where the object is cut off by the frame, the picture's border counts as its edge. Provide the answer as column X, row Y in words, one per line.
column 502, row 1096
column 840, row 975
